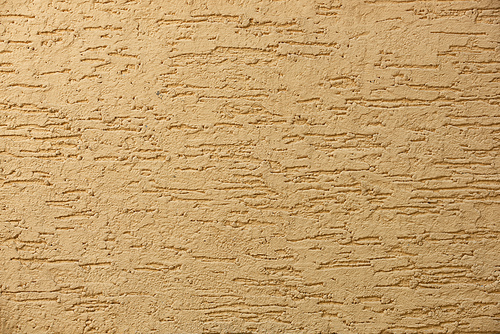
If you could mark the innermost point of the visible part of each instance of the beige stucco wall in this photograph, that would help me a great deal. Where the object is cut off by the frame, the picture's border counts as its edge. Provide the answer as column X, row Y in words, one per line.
column 236, row 166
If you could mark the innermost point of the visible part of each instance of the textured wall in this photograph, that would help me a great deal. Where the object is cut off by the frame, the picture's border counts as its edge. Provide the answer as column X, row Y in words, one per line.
column 247, row 166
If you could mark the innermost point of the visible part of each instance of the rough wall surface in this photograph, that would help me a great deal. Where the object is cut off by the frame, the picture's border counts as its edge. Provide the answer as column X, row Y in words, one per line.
column 247, row 166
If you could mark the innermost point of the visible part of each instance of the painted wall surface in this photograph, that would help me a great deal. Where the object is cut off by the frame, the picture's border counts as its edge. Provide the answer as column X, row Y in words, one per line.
column 245, row 166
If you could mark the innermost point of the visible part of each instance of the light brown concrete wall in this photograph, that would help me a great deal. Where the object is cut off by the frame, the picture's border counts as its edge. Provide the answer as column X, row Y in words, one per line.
column 244, row 166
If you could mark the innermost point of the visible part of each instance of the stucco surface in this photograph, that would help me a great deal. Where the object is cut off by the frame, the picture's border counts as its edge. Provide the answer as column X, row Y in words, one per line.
column 236, row 166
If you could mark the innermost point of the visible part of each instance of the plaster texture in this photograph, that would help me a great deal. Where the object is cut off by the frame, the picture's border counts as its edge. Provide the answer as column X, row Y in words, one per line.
column 244, row 166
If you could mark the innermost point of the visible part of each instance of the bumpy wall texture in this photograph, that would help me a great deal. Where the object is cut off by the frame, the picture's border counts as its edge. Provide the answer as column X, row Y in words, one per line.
column 245, row 166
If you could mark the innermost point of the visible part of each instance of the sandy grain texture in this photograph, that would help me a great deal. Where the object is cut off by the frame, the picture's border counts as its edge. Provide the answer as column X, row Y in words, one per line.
column 245, row 166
